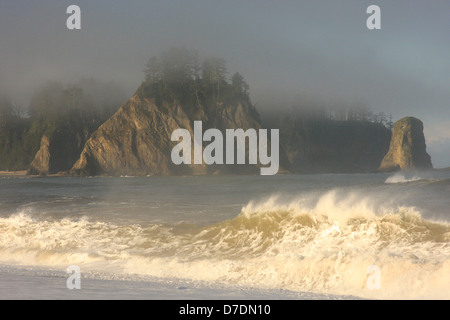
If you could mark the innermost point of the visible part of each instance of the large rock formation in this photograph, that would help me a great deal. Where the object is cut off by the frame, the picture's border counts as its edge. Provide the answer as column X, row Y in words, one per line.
column 60, row 148
column 407, row 149
column 136, row 140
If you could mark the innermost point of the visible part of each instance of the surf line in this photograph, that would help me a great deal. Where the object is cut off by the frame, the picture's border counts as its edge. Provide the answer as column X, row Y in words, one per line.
column 213, row 152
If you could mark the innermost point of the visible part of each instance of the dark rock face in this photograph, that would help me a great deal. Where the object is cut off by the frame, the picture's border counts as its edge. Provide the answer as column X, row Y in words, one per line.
column 335, row 146
column 59, row 150
column 407, row 149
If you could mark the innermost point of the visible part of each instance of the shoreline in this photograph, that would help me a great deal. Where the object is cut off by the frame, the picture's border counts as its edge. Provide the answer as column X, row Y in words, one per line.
column 23, row 173
column 47, row 283
column 20, row 173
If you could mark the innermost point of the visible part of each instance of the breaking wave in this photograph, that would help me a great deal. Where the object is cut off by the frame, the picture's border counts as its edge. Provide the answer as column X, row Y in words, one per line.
column 320, row 244
column 403, row 177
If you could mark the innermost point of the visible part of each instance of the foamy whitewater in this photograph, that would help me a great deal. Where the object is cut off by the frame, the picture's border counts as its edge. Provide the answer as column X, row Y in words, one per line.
column 233, row 237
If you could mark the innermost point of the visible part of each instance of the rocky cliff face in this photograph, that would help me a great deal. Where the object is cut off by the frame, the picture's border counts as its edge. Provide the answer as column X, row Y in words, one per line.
column 41, row 162
column 136, row 140
column 59, row 149
column 407, row 149
column 321, row 145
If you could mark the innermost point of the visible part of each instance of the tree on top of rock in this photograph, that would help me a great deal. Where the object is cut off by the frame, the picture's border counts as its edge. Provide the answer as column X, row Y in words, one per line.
column 177, row 75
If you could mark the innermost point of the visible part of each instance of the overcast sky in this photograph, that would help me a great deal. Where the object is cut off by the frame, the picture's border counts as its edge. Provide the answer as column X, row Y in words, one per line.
column 282, row 48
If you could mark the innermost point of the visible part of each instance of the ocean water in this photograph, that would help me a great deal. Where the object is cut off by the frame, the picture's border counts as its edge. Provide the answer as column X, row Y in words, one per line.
column 343, row 236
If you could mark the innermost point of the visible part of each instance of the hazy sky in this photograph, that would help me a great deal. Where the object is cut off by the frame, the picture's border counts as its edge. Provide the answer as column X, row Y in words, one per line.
column 282, row 48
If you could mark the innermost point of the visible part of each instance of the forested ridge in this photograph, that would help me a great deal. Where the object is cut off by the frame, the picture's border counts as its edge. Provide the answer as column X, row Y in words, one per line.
column 315, row 137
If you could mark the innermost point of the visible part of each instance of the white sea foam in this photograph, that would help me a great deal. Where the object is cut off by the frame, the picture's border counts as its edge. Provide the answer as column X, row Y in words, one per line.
column 315, row 243
column 401, row 177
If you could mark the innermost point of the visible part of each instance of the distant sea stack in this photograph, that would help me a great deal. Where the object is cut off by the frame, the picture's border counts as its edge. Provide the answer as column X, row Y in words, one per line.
column 178, row 90
column 136, row 140
column 407, row 149
column 41, row 162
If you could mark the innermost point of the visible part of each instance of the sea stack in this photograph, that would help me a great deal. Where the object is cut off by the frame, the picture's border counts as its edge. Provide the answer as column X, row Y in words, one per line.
column 41, row 161
column 136, row 140
column 407, row 150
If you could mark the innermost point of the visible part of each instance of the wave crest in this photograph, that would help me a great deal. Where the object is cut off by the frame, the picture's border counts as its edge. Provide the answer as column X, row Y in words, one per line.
column 321, row 243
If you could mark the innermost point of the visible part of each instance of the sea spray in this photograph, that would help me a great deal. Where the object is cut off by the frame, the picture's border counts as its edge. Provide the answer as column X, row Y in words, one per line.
column 320, row 243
